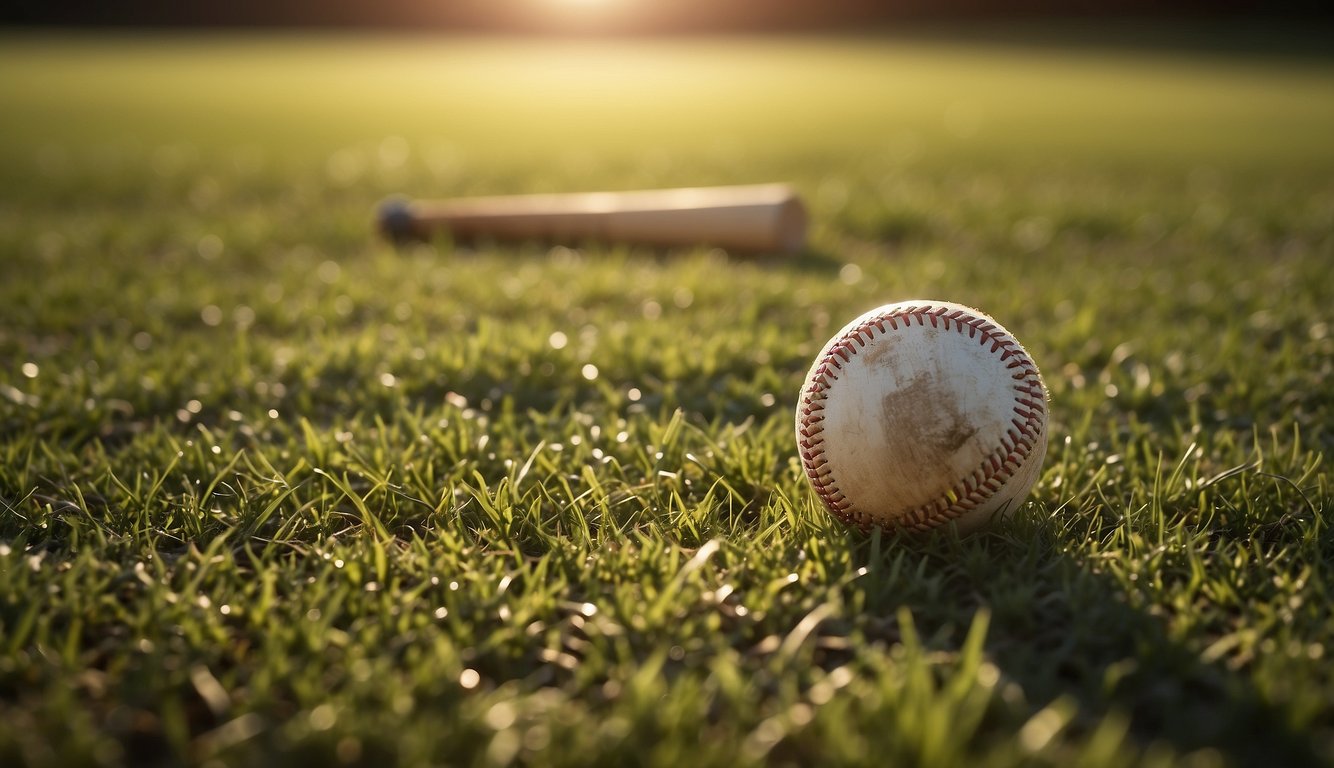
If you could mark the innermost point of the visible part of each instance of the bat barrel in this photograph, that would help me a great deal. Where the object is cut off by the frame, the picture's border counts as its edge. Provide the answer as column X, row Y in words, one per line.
column 760, row 218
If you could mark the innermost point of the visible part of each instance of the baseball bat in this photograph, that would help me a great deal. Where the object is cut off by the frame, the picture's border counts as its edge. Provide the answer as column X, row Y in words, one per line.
column 755, row 218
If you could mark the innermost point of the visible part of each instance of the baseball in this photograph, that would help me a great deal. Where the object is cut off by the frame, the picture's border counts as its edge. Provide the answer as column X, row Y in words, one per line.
column 919, row 413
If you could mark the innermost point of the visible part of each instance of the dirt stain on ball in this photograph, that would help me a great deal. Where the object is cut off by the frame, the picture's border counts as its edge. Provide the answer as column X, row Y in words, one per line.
column 931, row 428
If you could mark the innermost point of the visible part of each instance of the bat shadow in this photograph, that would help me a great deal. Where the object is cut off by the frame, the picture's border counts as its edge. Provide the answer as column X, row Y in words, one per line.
column 811, row 259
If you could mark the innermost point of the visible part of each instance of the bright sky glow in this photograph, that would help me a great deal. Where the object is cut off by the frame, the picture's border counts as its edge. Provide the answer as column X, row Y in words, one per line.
column 582, row 4
column 596, row 11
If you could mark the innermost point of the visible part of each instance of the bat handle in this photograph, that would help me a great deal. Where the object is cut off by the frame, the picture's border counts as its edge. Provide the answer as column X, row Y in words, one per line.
column 397, row 222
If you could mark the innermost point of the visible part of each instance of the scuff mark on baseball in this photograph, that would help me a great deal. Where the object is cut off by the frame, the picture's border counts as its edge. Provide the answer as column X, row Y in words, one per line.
column 920, row 413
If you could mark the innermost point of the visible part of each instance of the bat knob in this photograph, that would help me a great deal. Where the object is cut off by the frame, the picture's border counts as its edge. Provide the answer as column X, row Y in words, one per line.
column 396, row 220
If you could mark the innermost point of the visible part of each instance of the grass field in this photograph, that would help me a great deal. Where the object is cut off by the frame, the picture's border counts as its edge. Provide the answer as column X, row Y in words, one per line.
column 271, row 491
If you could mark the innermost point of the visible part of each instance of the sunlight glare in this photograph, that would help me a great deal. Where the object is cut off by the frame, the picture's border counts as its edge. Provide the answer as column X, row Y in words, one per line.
column 582, row 4
column 589, row 15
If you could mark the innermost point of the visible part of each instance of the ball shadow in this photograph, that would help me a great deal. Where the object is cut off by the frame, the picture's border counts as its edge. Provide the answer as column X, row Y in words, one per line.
column 1062, row 628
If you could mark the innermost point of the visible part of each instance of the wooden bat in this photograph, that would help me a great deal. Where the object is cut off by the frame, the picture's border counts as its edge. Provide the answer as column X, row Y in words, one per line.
column 758, row 218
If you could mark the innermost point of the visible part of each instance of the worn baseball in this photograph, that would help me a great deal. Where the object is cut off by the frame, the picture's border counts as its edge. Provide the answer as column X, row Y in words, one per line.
column 921, row 413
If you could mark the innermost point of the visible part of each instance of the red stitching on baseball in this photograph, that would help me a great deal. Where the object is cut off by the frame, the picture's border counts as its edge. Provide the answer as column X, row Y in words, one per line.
column 973, row 489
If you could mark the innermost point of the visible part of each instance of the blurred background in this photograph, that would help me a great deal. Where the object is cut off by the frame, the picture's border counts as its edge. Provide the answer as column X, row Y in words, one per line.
column 964, row 124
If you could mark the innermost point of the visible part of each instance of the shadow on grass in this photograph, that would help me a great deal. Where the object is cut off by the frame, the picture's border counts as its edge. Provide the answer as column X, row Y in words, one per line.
column 811, row 258
column 1061, row 628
